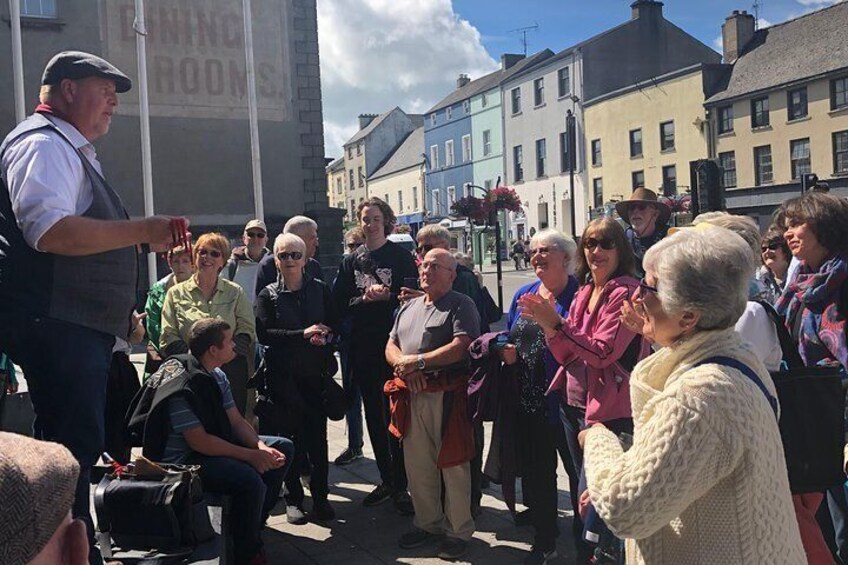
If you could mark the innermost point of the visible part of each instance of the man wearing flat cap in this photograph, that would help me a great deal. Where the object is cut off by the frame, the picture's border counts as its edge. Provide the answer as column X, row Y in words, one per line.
column 647, row 218
column 68, row 257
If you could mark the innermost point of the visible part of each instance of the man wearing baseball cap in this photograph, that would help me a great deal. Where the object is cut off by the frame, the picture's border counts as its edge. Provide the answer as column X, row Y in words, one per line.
column 243, row 265
column 68, row 257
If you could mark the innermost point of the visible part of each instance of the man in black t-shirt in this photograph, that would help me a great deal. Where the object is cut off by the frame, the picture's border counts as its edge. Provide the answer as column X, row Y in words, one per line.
column 367, row 289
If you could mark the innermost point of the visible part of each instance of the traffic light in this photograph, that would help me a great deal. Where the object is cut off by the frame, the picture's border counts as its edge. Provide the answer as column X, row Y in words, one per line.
column 707, row 191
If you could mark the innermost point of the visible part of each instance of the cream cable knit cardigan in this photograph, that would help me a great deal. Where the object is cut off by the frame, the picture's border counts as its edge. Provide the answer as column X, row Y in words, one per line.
column 705, row 481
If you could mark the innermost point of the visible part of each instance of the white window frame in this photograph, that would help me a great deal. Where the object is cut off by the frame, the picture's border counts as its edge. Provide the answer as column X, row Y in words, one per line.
column 484, row 100
column 433, row 119
column 466, row 106
column 400, row 201
column 539, row 92
column 515, row 101
column 434, row 157
column 562, row 93
column 41, row 12
column 487, row 142
column 467, row 155
column 436, row 204
column 414, row 198
column 450, row 158
column 448, row 113
column 451, row 196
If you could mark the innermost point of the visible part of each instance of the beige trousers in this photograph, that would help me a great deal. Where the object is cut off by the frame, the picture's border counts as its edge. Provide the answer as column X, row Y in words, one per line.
column 421, row 446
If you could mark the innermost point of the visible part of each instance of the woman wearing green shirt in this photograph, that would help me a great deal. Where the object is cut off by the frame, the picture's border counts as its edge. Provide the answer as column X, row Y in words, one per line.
column 180, row 262
column 206, row 295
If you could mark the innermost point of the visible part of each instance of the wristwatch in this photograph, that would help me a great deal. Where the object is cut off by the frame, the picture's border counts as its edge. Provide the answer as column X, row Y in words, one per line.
column 420, row 362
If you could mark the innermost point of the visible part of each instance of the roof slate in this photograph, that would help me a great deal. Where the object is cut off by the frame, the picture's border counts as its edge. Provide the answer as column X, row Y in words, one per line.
column 370, row 127
column 811, row 45
column 407, row 155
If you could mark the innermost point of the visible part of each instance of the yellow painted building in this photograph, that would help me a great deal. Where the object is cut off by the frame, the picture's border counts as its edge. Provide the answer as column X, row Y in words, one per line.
column 646, row 135
column 337, row 184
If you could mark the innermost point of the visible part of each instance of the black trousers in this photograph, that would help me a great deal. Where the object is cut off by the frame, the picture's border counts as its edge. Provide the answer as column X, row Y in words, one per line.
column 538, row 455
column 369, row 372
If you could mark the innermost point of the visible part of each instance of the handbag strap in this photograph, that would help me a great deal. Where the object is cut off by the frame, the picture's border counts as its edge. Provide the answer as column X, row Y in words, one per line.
column 104, row 538
column 788, row 346
column 745, row 370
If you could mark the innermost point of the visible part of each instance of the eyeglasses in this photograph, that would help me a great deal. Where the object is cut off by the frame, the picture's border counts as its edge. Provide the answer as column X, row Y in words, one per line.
column 428, row 264
column 591, row 243
column 543, row 250
column 256, row 234
column 286, row 255
column 424, row 249
column 353, row 244
column 773, row 245
column 214, row 253
column 646, row 287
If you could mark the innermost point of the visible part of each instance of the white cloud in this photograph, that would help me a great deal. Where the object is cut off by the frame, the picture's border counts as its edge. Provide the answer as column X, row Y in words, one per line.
column 378, row 54
column 718, row 45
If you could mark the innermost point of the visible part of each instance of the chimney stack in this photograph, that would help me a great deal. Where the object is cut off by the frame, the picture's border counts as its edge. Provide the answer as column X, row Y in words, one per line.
column 736, row 31
column 509, row 59
column 462, row 81
column 365, row 120
column 647, row 10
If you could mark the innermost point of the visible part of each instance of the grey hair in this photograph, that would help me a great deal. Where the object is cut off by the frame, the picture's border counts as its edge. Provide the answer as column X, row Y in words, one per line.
column 298, row 223
column 703, row 271
column 289, row 239
column 743, row 226
column 560, row 241
column 434, row 231
column 464, row 259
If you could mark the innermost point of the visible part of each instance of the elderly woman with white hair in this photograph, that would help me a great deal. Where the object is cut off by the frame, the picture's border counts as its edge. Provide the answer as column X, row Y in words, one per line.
column 705, row 480
column 295, row 318
column 538, row 424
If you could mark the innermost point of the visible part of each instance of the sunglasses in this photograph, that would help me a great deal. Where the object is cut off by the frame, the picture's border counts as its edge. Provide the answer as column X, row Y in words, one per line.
column 214, row 253
column 646, row 287
column 256, row 234
column 424, row 249
column 591, row 243
column 774, row 246
column 286, row 255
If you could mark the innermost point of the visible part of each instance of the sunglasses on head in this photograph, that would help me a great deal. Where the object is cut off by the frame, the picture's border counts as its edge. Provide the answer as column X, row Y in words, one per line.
column 256, row 234
column 214, row 253
column 285, row 255
column 591, row 243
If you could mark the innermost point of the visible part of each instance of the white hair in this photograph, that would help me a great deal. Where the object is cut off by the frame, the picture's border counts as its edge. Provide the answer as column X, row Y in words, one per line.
column 297, row 224
column 560, row 241
column 703, row 271
column 743, row 226
column 289, row 239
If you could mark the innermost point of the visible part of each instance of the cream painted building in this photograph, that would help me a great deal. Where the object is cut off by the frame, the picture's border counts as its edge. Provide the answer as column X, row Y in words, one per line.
column 337, row 184
column 645, row 135
column 400, row 180
column 784, row 112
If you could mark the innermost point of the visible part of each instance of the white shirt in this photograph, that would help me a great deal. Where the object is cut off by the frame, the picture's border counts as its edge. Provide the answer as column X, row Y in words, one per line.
column 46, row 179
column 758, row 330
column 792, row 271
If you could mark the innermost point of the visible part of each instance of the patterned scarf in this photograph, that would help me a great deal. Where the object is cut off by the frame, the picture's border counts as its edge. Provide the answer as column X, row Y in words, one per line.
column 814, row 296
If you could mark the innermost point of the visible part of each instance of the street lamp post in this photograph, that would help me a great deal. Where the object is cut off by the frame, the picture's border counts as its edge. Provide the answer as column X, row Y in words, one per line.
column 498, row 265
column 571, row 141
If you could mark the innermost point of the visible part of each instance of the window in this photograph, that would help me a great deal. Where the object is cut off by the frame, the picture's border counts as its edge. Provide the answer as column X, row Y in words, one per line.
column 538, row 91
column 598, row 192
column 414, row 198
column 339, row 185
column 563, row 152
column 466, row 148
column 637, row 179
column 596, row 152
column 386, row 199
column 727, row 162
column 449, row 155
column 352, row 184
column 451, row 196
column 38, row 8
column 725, row 119
column 359, row 149
column 762, row 165
column 563, row 82
column 667, row 136
column 484, row 100
column 352, row 208
column 636, row 143
column 516, row 100
column 350, row 152
column 436, row 206
column 466, row 189
column 840, row 152
column 799, row 157
column 487, row 142
column 487, row 184
column 433, row 119
column 448, row 113
column 796, row 104
column 669, row 180
column 541, row 150
column 518, row 168
column 760, row 112
column 839, row 93
column 434, row 157
column 466, row 106
column 361, row 176
column 400, row 201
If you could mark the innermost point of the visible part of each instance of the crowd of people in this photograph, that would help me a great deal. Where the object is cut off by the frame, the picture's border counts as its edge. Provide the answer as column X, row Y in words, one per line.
column 644, row 357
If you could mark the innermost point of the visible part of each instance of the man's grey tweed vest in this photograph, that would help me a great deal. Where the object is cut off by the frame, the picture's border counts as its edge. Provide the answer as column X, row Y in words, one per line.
column 95, row 291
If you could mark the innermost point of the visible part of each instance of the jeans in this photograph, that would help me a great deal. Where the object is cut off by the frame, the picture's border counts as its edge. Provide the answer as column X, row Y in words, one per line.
column 370, row 373
column 354, row 414
column 253, row 495
column 65, row 366
column 567, row 446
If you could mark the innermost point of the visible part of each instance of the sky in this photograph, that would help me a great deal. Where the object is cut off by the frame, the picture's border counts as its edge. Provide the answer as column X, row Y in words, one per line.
column 378, row 54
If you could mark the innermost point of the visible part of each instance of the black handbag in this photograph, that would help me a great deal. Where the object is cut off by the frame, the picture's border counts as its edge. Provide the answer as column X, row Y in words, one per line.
column 812, row 404
column 166, row 513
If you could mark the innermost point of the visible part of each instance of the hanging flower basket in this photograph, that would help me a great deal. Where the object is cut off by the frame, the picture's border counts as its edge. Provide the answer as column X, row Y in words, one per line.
column 470, row 207
column 503, row 198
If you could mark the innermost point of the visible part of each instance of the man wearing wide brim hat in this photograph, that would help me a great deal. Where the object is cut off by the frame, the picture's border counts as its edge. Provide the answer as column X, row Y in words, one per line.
column 647, row 218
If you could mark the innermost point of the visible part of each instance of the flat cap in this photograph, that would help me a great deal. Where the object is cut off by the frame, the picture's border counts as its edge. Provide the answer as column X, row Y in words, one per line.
column 37, row 484
column 78, row 64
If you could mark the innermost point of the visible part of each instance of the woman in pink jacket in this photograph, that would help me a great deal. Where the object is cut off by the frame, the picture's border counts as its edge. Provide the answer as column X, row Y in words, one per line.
column 595, row 349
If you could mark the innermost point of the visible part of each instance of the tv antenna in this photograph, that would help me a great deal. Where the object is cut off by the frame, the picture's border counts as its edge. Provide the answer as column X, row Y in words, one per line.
column 523, row 31
column 757, row 6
